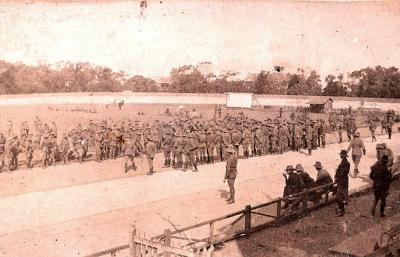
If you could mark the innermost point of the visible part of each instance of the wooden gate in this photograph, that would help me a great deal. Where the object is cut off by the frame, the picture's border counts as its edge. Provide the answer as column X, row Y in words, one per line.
column 140, row 246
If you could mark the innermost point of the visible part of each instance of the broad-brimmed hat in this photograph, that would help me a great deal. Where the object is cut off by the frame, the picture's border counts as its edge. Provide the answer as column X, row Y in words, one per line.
column 289, row 167
column 318, row 165
column 357, row 134
column 343, row 152
column 299, row 167
column 230, row 150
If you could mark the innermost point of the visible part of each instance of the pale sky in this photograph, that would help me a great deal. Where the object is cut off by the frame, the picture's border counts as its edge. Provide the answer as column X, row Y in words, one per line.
column 246, row 36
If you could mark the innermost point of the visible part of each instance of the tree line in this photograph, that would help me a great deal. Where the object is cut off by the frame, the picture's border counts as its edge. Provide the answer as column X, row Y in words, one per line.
column 377, row 82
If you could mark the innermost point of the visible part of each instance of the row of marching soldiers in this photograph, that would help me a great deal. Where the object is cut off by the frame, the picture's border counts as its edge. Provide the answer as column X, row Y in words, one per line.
column 188, row 143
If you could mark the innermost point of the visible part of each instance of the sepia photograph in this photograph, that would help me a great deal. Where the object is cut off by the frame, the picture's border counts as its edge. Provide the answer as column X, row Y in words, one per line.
column 199, row 128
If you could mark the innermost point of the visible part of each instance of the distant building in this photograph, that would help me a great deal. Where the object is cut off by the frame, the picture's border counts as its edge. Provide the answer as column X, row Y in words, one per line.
column 321, row 104
column 205, row 67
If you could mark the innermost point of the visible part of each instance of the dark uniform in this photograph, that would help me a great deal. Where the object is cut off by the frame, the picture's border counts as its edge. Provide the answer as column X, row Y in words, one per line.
column 382, row 177
column 342, row 180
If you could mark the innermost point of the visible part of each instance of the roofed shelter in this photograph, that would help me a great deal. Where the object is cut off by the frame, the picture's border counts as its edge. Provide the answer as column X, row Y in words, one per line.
column 321, row 104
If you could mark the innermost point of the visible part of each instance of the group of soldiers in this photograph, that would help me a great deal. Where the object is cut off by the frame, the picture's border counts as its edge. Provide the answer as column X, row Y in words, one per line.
column 184, row 141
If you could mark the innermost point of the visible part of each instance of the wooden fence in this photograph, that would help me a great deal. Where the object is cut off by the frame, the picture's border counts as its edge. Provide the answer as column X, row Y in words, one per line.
column 245, row 222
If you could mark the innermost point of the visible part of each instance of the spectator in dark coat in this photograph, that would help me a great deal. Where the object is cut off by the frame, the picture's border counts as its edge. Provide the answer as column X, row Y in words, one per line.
column 342, row 180
column 306, row 181
column 293, row 183
column 382, row 177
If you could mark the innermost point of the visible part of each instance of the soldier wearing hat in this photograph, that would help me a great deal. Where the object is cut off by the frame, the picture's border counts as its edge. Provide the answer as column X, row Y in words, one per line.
column 226, row 142
column 372, row 127
column 258, row 140
column 236, row 140
column 27, row 147
column 382, row 150
column 210, row 143
column 129, row 149
column 167, row 145
column 358, row 149
column 381, row 176
column 64, row 149
column 177, row 151
column 246, row 141
column 306, row 181
column 231, row 173
column 389, row 126
column 52, row 149
column 323, row 176
column 342, row 180
column 98, row 145
column 45, row 149
column 150, row 153
column 193, row 146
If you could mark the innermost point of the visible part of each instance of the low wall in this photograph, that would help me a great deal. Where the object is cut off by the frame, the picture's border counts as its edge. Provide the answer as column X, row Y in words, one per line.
column 173, row 98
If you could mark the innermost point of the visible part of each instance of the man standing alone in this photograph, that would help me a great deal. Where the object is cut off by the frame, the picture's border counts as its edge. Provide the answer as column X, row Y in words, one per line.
column 382, row 177
column 231, row 172
column 358, row 149
column 342, row 180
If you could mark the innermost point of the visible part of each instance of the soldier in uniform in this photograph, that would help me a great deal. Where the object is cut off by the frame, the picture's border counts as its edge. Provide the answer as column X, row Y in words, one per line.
column 167, row 145
column 309, row 136
column 226, row 142
column 14, row 148
column 178, row 151
column 381, row 150
column 389, row 125
column 28, row 149
column 384, row 126
column 2, row 150
column 98, row 144
column 274, row 140
column 236, row 140
column 372, row 128
column 358, row 149
column 322, row 133
column 315, row 135
column 129, row 150
column 113, row 145
column 246, row 141
column 44, row 148
column 193, row 145
column 150, row 152
column 298, row 132
column 258, row 140
column 342, row 180
column 52, row 149
column 9, row 126
column 381, row 177
column 210, row 142
column 202, row 148
column 231, row 173
column 64, row 149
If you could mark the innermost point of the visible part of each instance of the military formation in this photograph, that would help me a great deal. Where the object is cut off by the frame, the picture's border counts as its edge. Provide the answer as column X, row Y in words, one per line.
column 184, row 141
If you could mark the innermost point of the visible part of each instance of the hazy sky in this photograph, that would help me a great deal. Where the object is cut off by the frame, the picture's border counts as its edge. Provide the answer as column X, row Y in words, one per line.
column 243, row 35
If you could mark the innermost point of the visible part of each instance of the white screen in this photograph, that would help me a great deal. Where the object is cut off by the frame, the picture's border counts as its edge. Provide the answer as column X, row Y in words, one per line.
column 239, row 100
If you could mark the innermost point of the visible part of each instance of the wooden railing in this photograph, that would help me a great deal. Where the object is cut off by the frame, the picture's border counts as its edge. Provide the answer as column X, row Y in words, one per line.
column 298, row 204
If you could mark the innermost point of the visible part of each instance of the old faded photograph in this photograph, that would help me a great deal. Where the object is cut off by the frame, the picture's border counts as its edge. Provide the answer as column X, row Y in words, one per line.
column 199, row 128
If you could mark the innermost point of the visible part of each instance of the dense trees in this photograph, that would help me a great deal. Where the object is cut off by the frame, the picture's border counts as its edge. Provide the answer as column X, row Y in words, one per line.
column 85, row 77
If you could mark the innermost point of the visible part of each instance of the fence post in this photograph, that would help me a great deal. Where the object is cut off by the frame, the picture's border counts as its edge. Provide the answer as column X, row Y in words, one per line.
column 247, row 219
column 132, row 244
column 167, row 241
column 211, row 239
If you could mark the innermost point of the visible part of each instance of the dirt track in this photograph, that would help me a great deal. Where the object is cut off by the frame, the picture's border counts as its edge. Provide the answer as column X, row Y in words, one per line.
column 71, row 221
